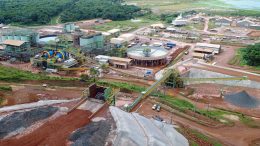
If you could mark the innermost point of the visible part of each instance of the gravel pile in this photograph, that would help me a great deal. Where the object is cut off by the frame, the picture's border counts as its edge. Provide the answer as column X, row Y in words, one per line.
column 242, row 99
column 19, row 120
column 94, row 134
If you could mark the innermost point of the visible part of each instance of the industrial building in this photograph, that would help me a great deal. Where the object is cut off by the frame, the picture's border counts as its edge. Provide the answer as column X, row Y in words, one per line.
column 215, row 47
column 127, row 37
column 91, row 41
column 223, row 22
column 158, row 26
column 148, row 56
column 17, row 49
column 114, row 32
column 69, row 27
column 244, row 23
column 31, row 37
column 179, row 21
column 204, row 50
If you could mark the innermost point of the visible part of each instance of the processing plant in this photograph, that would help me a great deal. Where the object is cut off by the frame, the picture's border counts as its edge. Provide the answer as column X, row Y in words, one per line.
column 148, row 56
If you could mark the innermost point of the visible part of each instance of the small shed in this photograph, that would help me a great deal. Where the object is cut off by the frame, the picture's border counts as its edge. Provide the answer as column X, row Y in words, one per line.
column 118, row 62
column 114, row 32
column 158, row 26
column 127, row 37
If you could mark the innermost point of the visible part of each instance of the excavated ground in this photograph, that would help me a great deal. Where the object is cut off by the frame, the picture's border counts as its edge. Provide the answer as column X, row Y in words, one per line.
column 52, row 133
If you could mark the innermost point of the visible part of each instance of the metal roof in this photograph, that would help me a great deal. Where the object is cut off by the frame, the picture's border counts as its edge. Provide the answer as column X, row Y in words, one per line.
column 200, row 55
column 207, row 50
column 17, row 43
column 120, row 59
column 207, row 45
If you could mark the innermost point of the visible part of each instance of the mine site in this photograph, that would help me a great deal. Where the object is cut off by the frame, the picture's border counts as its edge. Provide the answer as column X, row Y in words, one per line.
column 129, row 73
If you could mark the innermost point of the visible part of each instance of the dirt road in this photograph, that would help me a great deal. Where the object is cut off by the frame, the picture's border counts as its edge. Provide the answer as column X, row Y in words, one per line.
column 238, row 135
column 52, row 133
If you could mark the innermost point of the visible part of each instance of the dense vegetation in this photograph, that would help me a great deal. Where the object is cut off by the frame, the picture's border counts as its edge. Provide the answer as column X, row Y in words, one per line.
column 42, row 11
column 251, row 55
column 31, row 11
column 5, row 88
column 108, row 9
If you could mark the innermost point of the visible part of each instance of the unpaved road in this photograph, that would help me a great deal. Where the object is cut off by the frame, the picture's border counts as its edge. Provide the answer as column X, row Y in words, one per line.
column 238, row 135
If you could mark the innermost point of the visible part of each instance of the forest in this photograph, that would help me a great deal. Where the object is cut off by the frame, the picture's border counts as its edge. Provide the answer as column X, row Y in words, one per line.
column 26, row 12
column 107, row 9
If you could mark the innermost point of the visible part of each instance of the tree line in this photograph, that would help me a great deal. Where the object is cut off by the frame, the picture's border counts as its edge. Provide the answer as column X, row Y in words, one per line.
column 107, row 9
column 42, row 11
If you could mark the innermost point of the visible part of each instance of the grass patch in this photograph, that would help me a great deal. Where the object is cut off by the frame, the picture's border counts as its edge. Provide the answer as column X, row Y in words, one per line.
column 211, row 25
column 122, row 85
column 194, row 26
column 5, row 88
column 237, row 59
column 127, row 25
column 9, row 74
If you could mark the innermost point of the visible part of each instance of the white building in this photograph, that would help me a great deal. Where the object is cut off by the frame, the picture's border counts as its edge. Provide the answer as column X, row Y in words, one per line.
column 158, row 26
column 244, row 23
column 102, row 59
column 179, row 21
column 127, row 37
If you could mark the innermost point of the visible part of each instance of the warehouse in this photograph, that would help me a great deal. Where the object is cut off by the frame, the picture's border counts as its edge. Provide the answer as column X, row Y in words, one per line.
column 91, row 41
column 20, row 50
column 215, row 47
column 31, row 37
column 204, row 50
column 223, row 22
column 148, row 56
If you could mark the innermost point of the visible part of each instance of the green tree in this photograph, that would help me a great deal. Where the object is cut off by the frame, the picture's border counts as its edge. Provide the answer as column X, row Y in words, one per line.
column 251, row 55
column 94, row 73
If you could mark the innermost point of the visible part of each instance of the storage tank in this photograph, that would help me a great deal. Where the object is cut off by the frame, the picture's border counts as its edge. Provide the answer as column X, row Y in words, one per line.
column 48, row 54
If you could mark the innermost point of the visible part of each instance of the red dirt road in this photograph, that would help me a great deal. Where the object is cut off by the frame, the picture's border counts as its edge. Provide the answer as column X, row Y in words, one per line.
column 52, row 133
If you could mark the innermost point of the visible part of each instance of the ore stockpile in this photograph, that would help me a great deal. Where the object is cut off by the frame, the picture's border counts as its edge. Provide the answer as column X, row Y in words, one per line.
column 242, row 99
column 19, row 120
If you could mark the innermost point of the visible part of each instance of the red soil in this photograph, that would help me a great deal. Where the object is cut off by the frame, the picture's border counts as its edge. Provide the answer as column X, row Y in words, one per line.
column 52, row 133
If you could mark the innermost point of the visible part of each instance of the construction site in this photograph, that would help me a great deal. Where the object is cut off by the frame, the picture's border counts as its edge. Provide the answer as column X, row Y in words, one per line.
column 156, row 85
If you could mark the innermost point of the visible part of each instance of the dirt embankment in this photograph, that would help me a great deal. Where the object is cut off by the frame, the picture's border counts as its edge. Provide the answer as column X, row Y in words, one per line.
column 52, row 133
